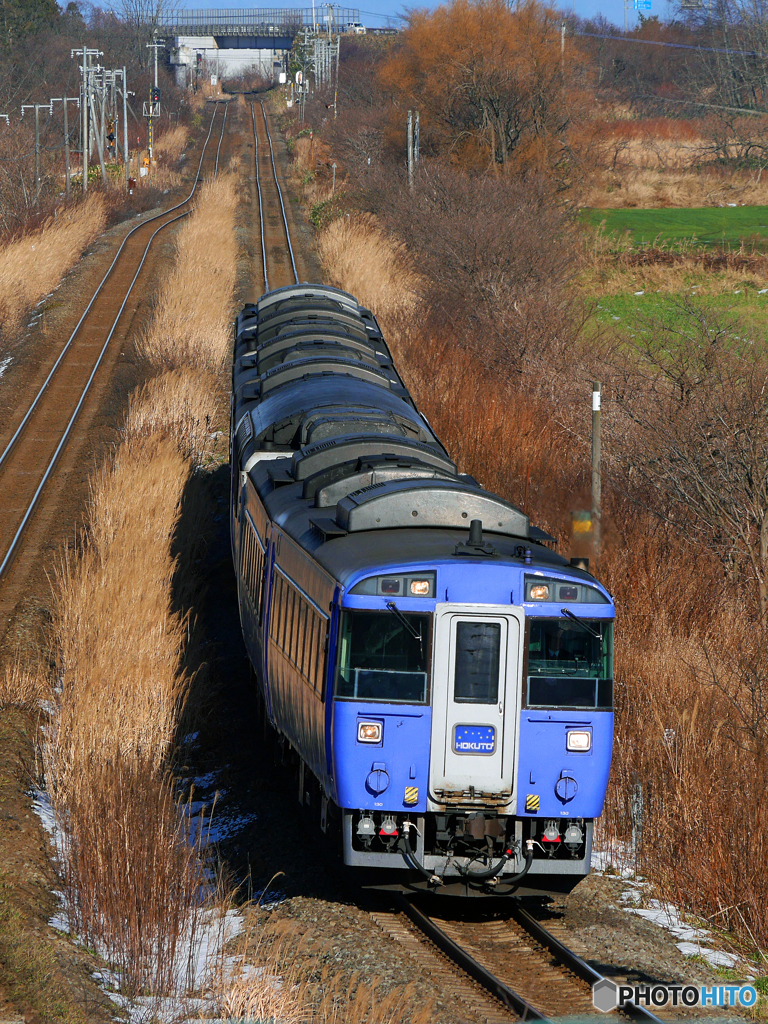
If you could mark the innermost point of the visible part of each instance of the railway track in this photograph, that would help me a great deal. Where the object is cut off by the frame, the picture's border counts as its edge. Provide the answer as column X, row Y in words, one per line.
column 33, row 442
column 277, row 256
column 505, row 968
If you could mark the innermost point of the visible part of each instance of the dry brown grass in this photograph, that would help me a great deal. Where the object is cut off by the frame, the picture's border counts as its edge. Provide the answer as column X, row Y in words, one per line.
column 172, row 144
column 191, row 325
column 634, row 186
column 33, row 266
column 22, row 687
column 180, row 404
column 132, row 882
column 118, row 641
column 358, row 256
column 273, row 977
column 613, row 265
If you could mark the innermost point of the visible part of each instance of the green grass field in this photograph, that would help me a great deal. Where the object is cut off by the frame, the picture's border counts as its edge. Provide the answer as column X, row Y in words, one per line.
column 708, row 225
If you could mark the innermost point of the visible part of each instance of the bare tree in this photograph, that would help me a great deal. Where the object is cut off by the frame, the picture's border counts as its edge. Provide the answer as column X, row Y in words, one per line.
column 144, row 19
column 697, row 397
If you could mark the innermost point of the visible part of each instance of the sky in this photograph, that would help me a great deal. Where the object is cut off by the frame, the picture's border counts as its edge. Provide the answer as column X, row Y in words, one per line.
column 379, row 13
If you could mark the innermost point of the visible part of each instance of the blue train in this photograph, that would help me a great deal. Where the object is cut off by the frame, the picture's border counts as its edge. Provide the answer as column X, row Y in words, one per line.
column 441, row 677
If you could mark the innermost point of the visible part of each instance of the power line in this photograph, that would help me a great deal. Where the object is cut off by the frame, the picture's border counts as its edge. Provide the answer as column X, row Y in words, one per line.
column 678, row 46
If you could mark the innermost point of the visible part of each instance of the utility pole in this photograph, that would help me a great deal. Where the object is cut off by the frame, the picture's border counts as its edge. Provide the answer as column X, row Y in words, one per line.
column 596, row 478
column 65, row 100
column 562, row 47
column 125, row 128
column 85, row 140
column 36, row 107
column 410, row 148
column 37, row 153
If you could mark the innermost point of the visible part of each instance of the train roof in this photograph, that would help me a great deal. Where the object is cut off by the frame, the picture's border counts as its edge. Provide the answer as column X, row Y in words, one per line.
column 339, row 454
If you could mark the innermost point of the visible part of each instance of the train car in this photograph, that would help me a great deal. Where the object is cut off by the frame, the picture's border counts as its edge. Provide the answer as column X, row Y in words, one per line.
column 441, row 676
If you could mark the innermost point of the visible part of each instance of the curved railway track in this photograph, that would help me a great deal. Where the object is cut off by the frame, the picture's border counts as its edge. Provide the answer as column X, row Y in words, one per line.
column 506, row 968
column 33, row 444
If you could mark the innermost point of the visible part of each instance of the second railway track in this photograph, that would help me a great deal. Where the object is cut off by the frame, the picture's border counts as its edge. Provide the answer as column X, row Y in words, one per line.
column 35, row 434
column 277, row 255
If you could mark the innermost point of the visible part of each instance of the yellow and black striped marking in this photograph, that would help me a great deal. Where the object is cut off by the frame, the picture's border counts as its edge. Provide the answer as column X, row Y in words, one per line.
column 411, row 795
column 532, row 803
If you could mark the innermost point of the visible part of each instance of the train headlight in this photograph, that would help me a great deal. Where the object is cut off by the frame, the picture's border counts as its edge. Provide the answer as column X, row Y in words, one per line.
column 369, row 732
column 539, row 592
column 420, row 588
column 578, row 740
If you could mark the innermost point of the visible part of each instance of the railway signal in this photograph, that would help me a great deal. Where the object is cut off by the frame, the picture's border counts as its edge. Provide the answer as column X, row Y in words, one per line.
column 152, row 109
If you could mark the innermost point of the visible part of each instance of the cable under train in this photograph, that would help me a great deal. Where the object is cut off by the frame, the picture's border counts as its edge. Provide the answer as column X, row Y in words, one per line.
column 443, row 678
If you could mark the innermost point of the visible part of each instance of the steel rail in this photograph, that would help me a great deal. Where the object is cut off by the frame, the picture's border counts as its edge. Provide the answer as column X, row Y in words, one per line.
column 68, row 429
column 258, row 192
column 96, row 294
column 572, row 960
column 280, row 195
column 221, row 139
column 514, row 1002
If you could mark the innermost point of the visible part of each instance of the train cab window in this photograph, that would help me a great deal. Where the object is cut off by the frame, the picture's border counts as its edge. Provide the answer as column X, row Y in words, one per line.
column 384, row 656
column 570, row 663
column 476, row 676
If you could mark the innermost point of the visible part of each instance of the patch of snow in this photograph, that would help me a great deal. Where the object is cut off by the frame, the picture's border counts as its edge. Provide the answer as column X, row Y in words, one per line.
column 762, row 291
column 616, row 318
column 715, row 957
column 692, row 937
column 60, row 922
column 5, row 363
column 737, row 292
column 43, row 808
column 205, row 781
column 640, row 293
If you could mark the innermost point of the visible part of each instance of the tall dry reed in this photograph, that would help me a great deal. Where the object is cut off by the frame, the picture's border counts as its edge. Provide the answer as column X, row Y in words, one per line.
column 173, row 143
column 131, row 880
column 180, row 404
column 360, row 257
column 191, row 326
column 33, row 266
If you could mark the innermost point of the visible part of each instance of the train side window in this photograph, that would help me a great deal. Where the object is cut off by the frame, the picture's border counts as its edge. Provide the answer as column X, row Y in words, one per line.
column 300, row 632
column 277, row 607
column 478, row 649
column 312, row 648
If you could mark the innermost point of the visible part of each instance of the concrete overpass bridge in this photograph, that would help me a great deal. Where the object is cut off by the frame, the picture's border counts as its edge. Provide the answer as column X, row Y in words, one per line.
column 228, row 41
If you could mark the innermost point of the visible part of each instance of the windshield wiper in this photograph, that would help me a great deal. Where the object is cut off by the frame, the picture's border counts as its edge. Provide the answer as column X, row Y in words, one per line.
column 569, row 615
column 404, row 622
column 402, row 619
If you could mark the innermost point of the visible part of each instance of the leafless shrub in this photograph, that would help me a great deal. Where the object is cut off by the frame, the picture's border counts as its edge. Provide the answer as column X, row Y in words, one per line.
column 697, row 397
column 495, row 254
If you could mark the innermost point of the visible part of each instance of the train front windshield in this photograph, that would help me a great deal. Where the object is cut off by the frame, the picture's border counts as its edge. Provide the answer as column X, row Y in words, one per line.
column 570, row 663
column 384, row 656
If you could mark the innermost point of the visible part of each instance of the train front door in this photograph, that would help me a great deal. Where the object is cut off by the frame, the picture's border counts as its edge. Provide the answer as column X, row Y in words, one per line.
column 475, row 697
